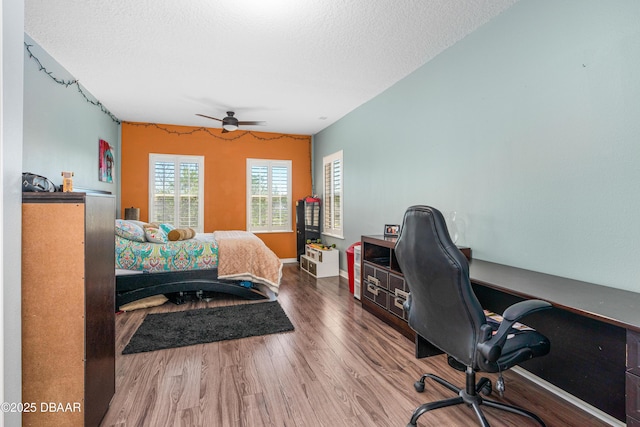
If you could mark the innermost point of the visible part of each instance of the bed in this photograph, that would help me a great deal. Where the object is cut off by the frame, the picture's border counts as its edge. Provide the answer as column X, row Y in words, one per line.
column 233, row 262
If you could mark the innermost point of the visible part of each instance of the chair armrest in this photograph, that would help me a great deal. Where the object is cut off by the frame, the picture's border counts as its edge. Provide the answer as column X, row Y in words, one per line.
column 491, row 349
column 524, row 308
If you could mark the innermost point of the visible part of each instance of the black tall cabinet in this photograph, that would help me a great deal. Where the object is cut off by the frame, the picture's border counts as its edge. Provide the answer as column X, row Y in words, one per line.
column 307, row 222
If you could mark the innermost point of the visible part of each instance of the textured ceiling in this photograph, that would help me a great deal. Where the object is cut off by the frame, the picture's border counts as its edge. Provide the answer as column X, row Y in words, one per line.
column 300, row 65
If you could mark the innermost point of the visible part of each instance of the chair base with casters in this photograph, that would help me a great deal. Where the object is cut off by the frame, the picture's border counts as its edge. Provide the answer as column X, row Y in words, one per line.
column 469, row 396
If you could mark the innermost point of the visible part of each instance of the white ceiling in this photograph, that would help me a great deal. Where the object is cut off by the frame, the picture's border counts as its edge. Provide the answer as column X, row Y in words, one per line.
column 299, row 65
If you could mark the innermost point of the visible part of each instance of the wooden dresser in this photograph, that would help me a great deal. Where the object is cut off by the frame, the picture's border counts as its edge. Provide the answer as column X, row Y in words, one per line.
column 384, row 290
column 383, row 287
column 68, row 308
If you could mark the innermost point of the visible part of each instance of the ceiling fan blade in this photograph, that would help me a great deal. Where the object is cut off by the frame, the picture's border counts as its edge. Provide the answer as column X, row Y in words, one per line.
column 224, row 130
column 252, row 123
column 208, row 117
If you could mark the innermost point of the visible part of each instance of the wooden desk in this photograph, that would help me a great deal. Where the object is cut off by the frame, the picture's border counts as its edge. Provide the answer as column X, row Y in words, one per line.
column 589, row 328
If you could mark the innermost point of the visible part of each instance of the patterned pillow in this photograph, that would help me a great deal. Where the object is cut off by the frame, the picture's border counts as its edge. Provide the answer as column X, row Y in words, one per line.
column 155, row 235
column 162, row 226
column 140, row 223
column 130, row 231
column 167, row 228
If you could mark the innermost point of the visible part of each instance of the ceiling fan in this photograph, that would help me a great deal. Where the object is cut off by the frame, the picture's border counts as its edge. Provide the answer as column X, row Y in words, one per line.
column 230, row 123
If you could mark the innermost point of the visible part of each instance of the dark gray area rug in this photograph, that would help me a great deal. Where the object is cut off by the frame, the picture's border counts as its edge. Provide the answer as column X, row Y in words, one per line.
column 182, row 328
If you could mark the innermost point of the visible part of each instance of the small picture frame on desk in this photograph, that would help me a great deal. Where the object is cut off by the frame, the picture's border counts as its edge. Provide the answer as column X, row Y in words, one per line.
column 391, row 230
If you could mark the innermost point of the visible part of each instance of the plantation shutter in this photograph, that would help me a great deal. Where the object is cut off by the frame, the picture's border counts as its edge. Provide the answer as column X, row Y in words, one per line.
column 328, row 223
column 176, row 190
column 259, row 196
column 332, row 218
column 269, row 195
column 164, row 194
column 279, row 197
column 189, row 195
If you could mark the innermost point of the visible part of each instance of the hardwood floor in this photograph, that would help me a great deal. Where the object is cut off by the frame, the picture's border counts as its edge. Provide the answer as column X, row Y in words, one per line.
column 340, row 367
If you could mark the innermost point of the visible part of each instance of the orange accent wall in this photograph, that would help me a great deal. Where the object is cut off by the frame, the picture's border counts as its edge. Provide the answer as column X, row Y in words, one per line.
column 225, row 160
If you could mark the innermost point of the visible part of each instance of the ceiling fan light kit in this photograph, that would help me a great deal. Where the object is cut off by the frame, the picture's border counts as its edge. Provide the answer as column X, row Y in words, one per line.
column 230, row 123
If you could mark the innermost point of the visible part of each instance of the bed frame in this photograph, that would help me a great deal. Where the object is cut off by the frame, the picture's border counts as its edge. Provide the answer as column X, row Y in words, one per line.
column 132, row 287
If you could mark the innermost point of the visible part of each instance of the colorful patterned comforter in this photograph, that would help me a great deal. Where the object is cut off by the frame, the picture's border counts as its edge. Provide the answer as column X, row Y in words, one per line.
column 198, row 253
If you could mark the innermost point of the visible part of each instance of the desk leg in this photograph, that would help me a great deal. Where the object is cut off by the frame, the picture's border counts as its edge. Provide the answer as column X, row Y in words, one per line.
column 425, row 349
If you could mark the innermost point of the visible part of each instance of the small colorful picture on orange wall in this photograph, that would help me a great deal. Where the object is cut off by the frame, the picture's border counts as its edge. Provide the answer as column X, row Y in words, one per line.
column 105, row 162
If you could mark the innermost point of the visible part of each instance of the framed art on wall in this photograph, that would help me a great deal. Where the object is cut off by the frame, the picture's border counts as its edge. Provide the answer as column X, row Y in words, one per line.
column 105, row 161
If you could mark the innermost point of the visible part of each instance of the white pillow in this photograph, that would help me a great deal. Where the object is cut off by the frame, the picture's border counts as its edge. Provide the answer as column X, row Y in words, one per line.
column 155, row 235
column 130, row 231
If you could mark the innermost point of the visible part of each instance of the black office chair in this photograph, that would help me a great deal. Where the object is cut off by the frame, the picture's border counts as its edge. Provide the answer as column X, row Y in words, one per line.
column 444, row 311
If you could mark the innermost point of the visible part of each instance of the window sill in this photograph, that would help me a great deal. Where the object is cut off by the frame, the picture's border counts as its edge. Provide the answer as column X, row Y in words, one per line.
column 335, row 236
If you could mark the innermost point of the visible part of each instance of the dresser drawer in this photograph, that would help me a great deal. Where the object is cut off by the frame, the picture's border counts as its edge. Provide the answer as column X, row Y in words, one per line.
column 396, row 282
column 376, row 276
column 376, row 294
column 632, row 390
column 633, row 352
column 396, row 301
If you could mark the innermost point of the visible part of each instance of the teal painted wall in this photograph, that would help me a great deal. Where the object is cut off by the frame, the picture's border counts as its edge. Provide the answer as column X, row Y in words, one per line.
column 529, row 128
column 62, row 129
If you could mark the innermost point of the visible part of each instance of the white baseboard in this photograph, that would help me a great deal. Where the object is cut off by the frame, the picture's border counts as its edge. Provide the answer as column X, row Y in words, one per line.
column 289, row 260
column 568, row 397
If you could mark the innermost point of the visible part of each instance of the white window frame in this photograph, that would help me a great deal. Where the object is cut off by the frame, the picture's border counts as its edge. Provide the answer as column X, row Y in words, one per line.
column 269, row 228
column 177, row 160
column 329, row 227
